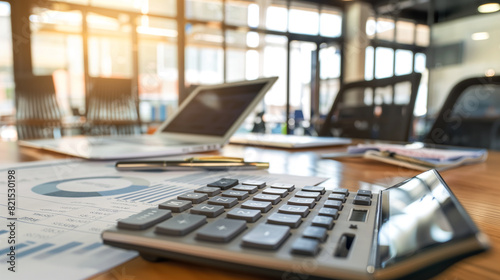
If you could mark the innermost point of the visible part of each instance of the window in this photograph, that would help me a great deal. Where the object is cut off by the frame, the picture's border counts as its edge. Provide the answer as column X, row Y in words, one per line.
column 6, row 71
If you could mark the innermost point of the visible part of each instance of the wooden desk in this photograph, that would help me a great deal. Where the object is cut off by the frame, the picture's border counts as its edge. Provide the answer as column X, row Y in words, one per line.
column 476, row 186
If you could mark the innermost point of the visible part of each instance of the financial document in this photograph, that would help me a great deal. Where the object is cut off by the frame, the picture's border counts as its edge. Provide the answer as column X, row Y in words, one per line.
column 52, row 213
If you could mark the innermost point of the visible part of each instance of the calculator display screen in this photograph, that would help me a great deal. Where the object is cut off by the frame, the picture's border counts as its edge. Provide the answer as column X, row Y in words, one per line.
column 417, row 215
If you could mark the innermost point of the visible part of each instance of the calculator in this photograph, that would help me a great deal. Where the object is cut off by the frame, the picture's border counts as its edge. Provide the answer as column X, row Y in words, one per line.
column 416, row 228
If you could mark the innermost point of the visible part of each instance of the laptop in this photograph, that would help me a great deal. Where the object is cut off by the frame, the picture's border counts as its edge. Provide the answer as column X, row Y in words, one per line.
column 287, row 141
column 205, row 121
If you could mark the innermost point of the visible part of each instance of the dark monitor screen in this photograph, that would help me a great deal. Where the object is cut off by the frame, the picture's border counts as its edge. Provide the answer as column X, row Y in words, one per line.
column 213, row 111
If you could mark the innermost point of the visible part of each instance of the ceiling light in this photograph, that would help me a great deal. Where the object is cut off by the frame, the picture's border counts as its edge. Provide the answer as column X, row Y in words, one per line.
column 489, row 8
column 480, row 36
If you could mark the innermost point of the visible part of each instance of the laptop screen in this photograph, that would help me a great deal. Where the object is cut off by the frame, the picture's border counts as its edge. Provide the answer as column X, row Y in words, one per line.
column 214, row 111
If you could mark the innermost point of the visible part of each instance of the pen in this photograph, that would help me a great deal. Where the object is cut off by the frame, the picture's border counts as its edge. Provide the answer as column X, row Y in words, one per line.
column 182, row 165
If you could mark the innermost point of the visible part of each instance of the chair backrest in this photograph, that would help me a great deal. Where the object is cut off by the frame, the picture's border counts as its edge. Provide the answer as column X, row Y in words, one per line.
column 376, row 109
column 37, row 112
column 470, row 115
column 112, row 107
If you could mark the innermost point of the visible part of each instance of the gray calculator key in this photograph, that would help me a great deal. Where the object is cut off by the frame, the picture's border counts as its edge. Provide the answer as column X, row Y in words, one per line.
column 210, row 211
column 313, row 232
column 305, row 246
column 257, row 183
column 292, row 221
column 314, row 189
column 341, row 191
column 274, row 199
column 175, row 205
column 337, row 204
column 144, row 219
column 337, row 196
column 365, row 193
column 362, row 200
column 294, row 209
column 246, row 188
column 262, row 206
column 210, row 191
column 315, row 195
column 193, row 197
column 249, row 215
column 288, row 187
column 331, row 212
column 224, row 183
column 309, row 202
column 238, row 194
column 265, row 236
column 280, row 192
column 222, row 230
column 227, row 202
column 323, row 221
column 181, row 224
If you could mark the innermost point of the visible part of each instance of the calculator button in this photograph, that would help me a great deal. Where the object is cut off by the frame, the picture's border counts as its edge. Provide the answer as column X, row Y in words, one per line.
column 193, row 197
column 309, row 202
column 323, row 221
column 210, row 191
column 314, row 189
column 313, row 232
column 227, row 202
column 288, row 187
column 262, row 206
column 362, row 200
column 248, row 215
column 238, row 194
column 292, row 221
column 175, row 205
column 365, row 193
column 265, row 236
column 305, row 246
column 333, row 204
column 341, row 191
column 246, row 188
column 222, row 230
column 144, row 219
column 257, row 183
column 294, row 209
column 336, row 196
column 211, row 211
column 274, row 199
column 280, row 192
column 315, row 195
column 331, row 212
column 224, row 183
column 181, row 224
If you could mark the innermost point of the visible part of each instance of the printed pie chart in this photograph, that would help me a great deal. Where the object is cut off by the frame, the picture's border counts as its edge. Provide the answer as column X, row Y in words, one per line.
column 91, row 186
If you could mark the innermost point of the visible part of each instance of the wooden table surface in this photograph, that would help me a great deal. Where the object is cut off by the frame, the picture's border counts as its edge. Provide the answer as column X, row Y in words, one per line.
column 476, row 186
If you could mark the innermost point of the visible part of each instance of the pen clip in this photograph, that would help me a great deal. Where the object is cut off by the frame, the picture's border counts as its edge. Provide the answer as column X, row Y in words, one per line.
column 215, row 158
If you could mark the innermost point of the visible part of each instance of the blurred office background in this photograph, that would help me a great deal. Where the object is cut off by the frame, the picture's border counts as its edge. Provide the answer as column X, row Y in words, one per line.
column 167, row 47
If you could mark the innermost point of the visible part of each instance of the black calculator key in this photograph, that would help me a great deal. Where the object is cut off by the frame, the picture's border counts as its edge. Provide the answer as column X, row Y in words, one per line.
column 193, row 197
column 280, row 192
column 210, row 191
column 249, row 215
column 315, row 195
column 309, row 202
column 246, row 188
column 222, row 230
column 305, row 246
column 314, row 189
column 318, row 233
column 265, row 236
column 227, row 202
column 362, row 200
column 288, row 187
column 341, row 191
column 238, row 194
column 336, row 196
column 210, row 211
column 294, row 209
column 365, row 193
column 262, row 206
column 337, row 204
column 181, row 224
column 292, row 221
column 175, row 205
column 257, row 183
column 144, row 219
column 331, row 212
column 274, row 199
column 323, row 221
column 224, row 183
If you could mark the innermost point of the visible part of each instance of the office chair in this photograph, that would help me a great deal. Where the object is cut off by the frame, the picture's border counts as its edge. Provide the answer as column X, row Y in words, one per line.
column 470, row 115
column 377, row 109
column 37, row 112
column 112, row 109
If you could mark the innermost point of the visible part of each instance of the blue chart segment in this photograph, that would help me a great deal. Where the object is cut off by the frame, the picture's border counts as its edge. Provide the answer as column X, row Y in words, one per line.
column 52, row 189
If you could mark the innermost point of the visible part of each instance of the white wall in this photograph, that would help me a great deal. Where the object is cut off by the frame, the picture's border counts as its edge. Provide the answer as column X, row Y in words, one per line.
column 478, row 56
